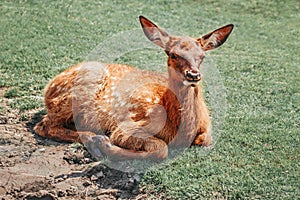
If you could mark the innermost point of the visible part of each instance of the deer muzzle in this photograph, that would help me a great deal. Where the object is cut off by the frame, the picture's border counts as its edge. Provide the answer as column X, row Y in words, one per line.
column 193, row 76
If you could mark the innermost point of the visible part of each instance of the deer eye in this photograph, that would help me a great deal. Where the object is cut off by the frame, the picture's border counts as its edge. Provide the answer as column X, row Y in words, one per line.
column 173, row 56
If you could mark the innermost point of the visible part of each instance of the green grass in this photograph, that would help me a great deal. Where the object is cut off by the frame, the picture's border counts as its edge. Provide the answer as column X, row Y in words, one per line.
column 257, row 155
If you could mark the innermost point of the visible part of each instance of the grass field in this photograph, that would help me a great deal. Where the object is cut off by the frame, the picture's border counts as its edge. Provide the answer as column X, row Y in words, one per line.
column 257, row 155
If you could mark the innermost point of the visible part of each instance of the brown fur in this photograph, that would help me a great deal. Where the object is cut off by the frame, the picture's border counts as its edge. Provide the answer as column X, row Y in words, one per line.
column 140, row 112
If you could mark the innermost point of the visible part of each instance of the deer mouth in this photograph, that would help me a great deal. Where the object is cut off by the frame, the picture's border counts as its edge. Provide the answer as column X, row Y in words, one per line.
column 192, row 78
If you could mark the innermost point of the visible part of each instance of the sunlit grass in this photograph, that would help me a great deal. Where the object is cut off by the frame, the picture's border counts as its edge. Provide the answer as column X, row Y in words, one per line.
column 257, row 155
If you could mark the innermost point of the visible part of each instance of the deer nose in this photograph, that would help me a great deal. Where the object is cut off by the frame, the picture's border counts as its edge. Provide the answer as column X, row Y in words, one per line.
column 192, row 75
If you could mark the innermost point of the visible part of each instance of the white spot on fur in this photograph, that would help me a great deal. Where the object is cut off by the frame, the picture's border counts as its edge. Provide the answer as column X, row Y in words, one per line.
column 116, row 95
column 116, row 105
column 156, row 100
column 149, row 111
column 131, row 115
column 148, row 100
column 59, row 89
column 135, row 106
column 123, row 103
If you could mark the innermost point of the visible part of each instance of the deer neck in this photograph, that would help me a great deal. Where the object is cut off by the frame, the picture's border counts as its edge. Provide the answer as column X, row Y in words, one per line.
column 185, row 94
column 188, row 98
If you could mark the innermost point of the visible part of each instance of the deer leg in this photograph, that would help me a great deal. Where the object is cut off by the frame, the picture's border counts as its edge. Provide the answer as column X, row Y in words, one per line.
column 122, row 149
column 203, row 139
column 203, row 136
column 114, row 152
column 49, row 129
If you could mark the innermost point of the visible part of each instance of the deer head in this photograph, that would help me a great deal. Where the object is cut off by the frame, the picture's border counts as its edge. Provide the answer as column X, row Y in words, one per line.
column 185, row 54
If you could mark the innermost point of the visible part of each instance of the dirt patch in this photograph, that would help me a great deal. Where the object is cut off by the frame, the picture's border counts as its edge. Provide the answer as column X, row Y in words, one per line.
column 32, row 167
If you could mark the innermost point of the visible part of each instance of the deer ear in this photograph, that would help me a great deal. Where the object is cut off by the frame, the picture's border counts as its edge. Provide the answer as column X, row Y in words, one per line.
column 215, row 38
column 154, row 33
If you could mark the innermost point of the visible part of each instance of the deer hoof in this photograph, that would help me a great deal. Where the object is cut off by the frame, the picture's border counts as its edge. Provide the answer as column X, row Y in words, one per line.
column 103, row 143
column 92, row 148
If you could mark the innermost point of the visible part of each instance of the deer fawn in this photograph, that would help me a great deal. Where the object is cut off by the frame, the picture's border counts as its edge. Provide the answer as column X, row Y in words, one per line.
column 127, row 113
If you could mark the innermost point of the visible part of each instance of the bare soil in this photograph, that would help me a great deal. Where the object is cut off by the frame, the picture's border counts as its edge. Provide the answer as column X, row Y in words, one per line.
column 32, row 167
